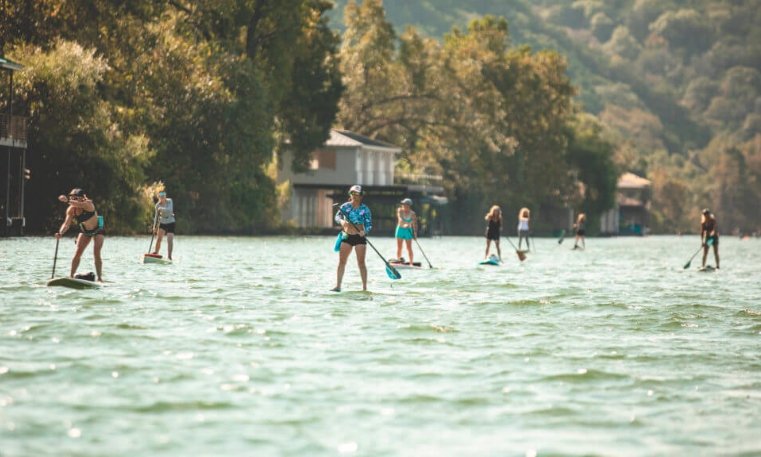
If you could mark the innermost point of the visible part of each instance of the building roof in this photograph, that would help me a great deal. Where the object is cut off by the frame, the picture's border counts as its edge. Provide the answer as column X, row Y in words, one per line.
column 631, row 181
column 9, row 65
column 347, row 138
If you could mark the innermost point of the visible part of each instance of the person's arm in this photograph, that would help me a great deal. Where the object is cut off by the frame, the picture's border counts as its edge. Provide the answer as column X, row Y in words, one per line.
column 86, row 205
column 341, row 217
column 399, row 220
column 414, row 224
column 66, row 223
column 367, row 223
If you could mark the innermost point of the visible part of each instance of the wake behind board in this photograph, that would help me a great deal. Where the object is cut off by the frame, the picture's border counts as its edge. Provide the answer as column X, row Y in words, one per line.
column 155, row 258
column 74, row 283
column 491, row 260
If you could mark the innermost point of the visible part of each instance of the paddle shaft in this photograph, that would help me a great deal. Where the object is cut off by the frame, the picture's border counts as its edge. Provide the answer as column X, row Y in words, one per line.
column 423, row 252
column 55, row 257
column 687, row 265
column 153, row 230
column 388, row 265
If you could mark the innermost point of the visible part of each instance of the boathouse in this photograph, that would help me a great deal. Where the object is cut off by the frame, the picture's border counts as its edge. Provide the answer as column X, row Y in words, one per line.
column 13, row 130
column 349, row 158
column 631, row 213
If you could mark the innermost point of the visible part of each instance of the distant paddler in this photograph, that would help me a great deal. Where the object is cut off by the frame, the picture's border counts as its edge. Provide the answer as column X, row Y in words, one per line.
column 523, row 228
column 406, row 228
column 355, row 220
column 82, row 210
column 493, row 228
column 581, row 230
column 709, row 235
column 166, row 223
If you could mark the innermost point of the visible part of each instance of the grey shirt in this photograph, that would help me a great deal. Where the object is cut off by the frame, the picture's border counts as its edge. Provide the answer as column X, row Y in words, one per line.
column 166, row 212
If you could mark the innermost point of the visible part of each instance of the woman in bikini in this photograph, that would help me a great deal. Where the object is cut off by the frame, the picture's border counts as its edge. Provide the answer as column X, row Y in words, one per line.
column 406, row 228
column 82, row 211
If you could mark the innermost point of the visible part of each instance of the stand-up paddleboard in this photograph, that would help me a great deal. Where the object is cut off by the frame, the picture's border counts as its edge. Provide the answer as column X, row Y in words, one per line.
column 492, row 260
column 404, row 265
column 707, row 269
column 74, row 283
column 155, row 258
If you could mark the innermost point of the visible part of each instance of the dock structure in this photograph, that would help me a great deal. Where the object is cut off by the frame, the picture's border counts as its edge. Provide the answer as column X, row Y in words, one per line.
column 13, row 143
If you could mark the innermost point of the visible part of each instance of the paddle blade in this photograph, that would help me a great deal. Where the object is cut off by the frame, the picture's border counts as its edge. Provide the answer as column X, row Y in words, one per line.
column 392, row 272
column 687, row 265
column 521, row 255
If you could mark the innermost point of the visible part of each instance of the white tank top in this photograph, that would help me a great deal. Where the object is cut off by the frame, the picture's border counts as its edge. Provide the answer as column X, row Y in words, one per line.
column 523, row 224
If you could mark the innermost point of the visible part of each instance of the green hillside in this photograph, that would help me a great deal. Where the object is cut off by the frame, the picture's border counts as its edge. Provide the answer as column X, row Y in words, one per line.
column 678, row 84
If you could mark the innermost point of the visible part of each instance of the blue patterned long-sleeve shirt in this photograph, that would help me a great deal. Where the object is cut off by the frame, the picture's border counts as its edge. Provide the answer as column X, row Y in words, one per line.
column 359, row 215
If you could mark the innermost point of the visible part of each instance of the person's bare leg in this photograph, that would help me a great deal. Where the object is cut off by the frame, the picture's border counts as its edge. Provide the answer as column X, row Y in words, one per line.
column 343, row 255
column 96, row 254
column 705, row 254
column 361, row 250
column 159, row 235
column 716, row 254
column 82, row 242
column 409, row 250
column 488, row 243
column 169, row 244
column 499, row 251
column 398, row 248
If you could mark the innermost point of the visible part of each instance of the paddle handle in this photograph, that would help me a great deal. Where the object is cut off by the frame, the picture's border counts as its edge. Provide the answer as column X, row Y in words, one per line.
column 55, row 258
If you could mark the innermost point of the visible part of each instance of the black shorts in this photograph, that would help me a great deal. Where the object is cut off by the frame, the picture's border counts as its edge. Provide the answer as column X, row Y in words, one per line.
column 354, row 240
column 715, row 240
column 492, row 235
column 168, row 228
column 581, row 232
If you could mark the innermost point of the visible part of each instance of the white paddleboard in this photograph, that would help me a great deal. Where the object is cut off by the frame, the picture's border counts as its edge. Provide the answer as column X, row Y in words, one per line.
column 407, row 266
column 74, row 283
column 153, row 259
column 707, row 269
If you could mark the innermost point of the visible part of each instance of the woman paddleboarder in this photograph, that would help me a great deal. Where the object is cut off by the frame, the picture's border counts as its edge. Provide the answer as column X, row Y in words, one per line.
column 355, row 220
column 580, row 227
column 82, row 210
column 406, row 228
column 523, row 229
column 709, row 235
column 493, row 229
column 166, row 221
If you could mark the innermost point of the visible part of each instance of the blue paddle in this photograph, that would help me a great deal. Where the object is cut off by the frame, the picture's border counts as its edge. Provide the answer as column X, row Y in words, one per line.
column 391, row 272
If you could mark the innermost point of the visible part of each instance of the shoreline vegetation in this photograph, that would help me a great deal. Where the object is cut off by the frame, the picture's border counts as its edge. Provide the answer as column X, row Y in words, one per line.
column 202, row 98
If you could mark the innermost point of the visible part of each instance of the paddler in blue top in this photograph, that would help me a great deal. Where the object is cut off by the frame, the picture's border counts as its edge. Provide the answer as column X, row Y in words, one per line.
column 406, row 228
column 82, row 210
column 709, row 235
column 166, row 221
column 355, row 219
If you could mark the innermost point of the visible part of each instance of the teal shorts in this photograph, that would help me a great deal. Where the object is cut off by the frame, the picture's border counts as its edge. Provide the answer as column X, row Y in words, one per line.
column 404, row 233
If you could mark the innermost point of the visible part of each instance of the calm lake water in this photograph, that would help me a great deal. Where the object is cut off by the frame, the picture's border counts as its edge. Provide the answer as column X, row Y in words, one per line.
column 240, row 349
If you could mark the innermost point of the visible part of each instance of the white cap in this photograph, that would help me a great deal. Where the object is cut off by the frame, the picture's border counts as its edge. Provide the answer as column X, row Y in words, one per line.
column 355, row 188
column 406, row 201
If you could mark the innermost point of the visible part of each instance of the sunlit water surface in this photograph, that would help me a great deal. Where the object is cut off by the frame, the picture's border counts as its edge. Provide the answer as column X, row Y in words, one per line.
column 239, row 348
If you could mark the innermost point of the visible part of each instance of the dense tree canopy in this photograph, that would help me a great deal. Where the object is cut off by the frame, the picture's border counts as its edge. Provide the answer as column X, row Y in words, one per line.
column 676, row 82
column 196, row 95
